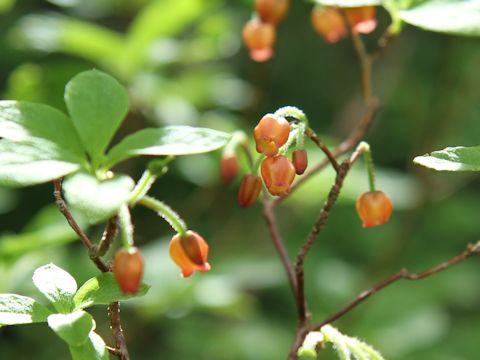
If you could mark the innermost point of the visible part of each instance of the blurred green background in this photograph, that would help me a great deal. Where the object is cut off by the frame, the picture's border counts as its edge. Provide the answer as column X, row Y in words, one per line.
column 183, row 63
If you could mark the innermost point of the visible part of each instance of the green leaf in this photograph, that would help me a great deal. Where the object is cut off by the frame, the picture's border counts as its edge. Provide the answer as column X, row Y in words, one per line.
column 97, row 200
column 452, row 159
column 72, row 328
column 170, row 140
column 17, row 309
column 31, row 123
column 348, row 3
column 461, row 17
column 102, row 290
column 93, row 349
column 97, row 104
column 23, row 164
column 57, row 285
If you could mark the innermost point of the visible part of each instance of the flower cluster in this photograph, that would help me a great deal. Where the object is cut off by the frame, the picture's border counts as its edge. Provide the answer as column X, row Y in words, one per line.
column 259, row 33
column 331, row 23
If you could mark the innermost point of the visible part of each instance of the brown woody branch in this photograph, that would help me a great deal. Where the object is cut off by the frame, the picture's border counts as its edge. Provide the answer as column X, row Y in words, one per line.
column 402, row 274
column 95, row 252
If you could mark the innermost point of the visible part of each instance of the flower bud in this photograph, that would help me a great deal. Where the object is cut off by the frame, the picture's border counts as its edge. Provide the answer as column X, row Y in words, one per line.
column 271, row 11
column 190, row 253
column 249, row 190
column 329, row 23
column 259, row 39
column 361, row 19
column 300, row 161
column 278, row 174
column 374, row 208
column 270, row 134
column 128, row 269
column 228, row 167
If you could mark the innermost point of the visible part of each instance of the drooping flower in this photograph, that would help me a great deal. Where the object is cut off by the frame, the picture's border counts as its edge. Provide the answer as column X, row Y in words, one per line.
column 190, row 253
column 300, row 161
column 329, row 23
column 362, row 19
column 270, row 134
column 271, row 11
column 128, row 269
column 259, row 38
column 374, row 208
column 250, row 188
column 228, row 167
column 278, row 174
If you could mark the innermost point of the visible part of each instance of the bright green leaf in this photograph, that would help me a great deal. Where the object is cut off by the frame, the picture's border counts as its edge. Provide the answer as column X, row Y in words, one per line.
column 452, row 159
column 170, row 140
column 97, row 104
column 97, row 200
column 103, row 290
column 17, row 309
column 72, row 328
column 57, row 285
column 461, row 17
column 348, row 3
column 23, row 164
column 93, row 349
column 29, row 122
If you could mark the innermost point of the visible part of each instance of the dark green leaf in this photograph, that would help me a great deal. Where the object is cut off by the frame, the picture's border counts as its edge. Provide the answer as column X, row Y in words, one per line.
column 97, row 104
column 97, row 200
column 16, row 309
column 102, row 290
column 23, row 164
column 170, row 140
column 93, row 349
column 72, row 328
column 452, row 159
column 461, row 17
column 57, row 285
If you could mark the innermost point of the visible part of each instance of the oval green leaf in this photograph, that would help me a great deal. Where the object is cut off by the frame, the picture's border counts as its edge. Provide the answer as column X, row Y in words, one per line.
column 97, row 104
column 93, row 349
column 97, row 200
column 57, row 285
column 461, row 17
column 170, row 140
column 103, row 290
column 72, row 328
column 457, row 158
column 17, row 309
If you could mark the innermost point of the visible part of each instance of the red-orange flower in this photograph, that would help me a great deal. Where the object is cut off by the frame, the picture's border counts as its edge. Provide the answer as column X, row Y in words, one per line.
column 374, row 208
column 128, row 269
column 278, row 174
column 249, row 190
column 270, row 134
column 361, row 19
column 271, row 11
column 228, row 167
column 190, row 253
column 259, row 38
column 329, row 23
column 300, row 161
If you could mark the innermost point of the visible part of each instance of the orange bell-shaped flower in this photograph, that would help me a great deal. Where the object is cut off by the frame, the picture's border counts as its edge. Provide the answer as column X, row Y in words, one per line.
column 190, row 253
column 300, row 161
column 249, row 190
column 278, row 174
column 271, row 11
column 270, row 134
column 128, row 269
column 329, row 23
column 259, row 38
column 362, row 19
column 374, row 208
